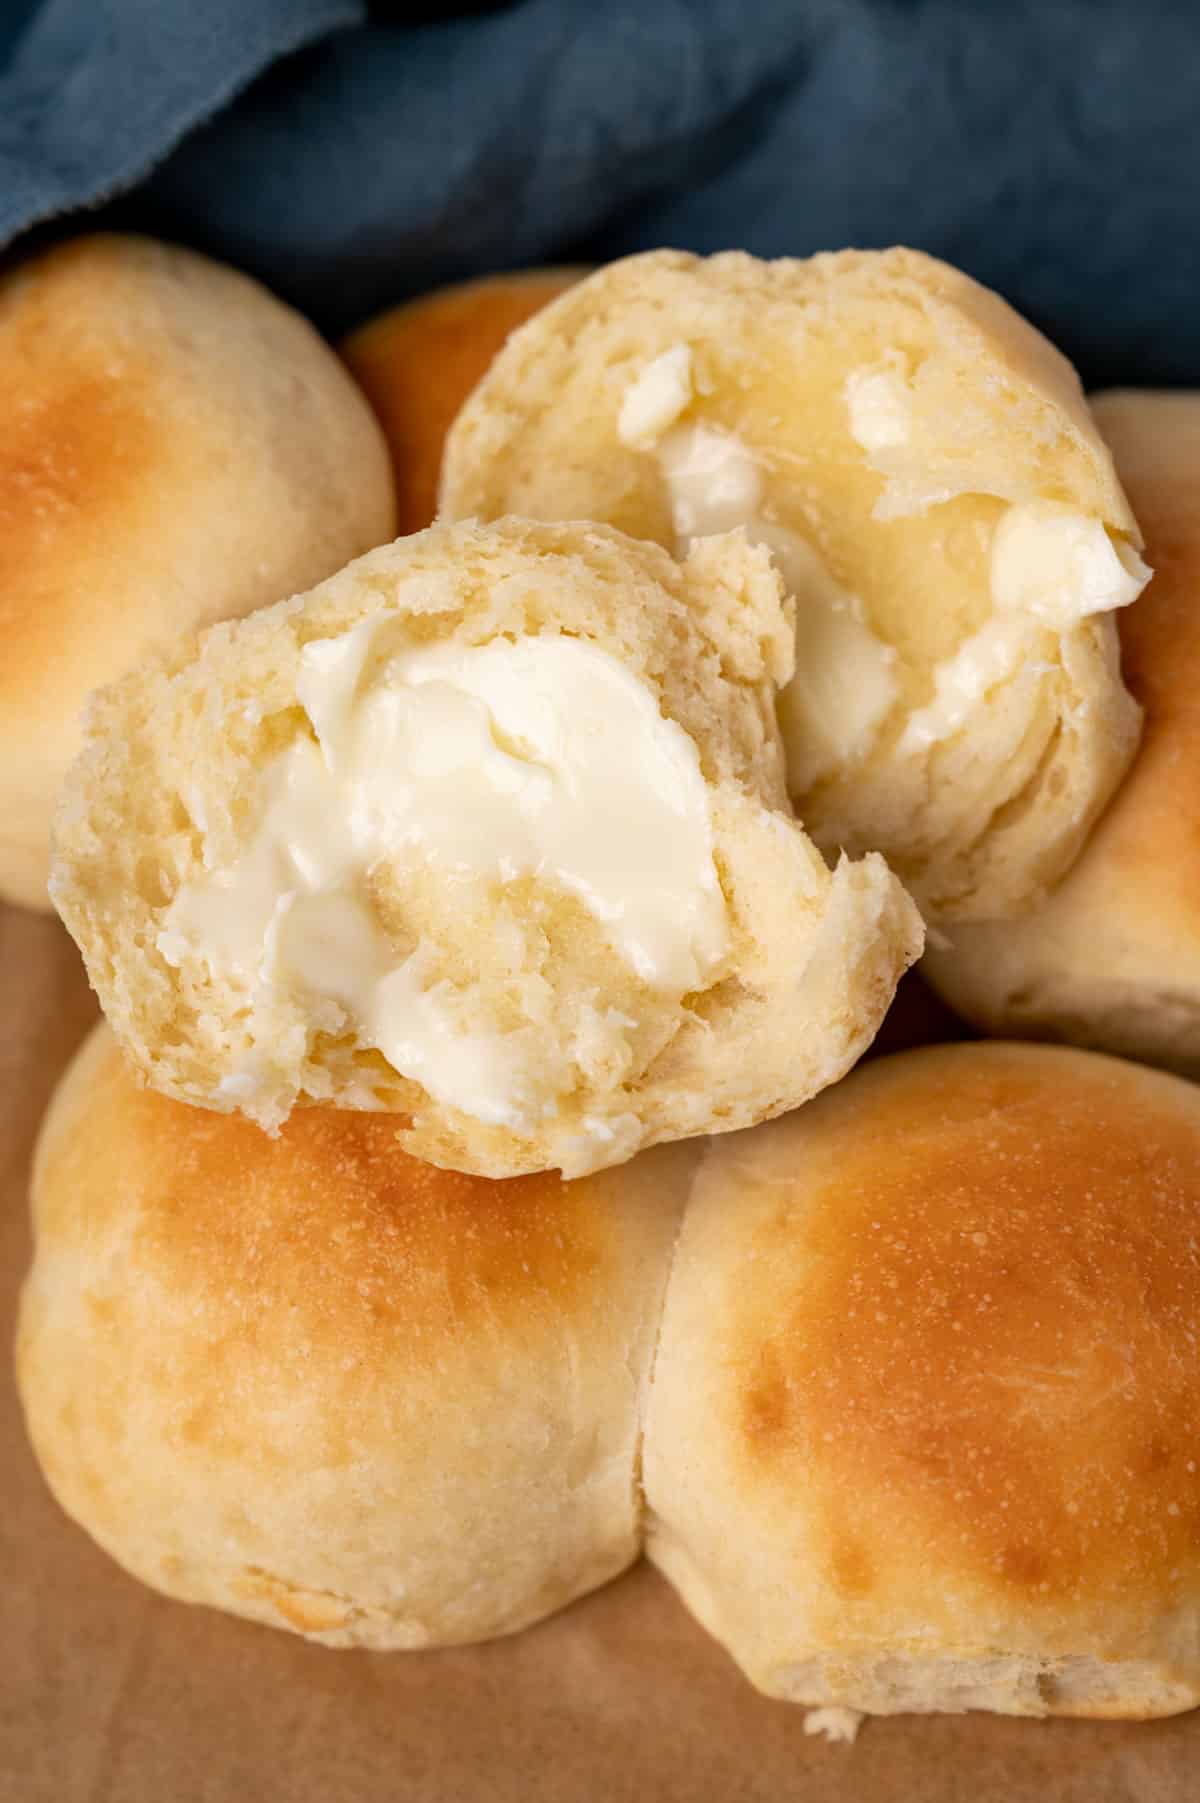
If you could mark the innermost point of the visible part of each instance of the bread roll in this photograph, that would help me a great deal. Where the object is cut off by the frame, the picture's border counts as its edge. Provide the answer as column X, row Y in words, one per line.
column 923, row 1427
column 176, row 446
column 1112, row 959
column 923, row 467
column 316, row 1383
column 418, row 363
column 488, row 830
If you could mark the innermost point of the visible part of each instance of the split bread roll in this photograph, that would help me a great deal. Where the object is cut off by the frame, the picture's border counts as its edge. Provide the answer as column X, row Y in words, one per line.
column 489, row 831
column 923, row 467
column 1112, row 959
column 417, row 363
column 176, row 447
column 311, row 1381
column 919, row 1432
column 923, row 1427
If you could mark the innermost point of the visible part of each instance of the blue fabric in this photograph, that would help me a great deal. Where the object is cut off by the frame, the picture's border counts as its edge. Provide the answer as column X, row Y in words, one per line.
column 1051, row 147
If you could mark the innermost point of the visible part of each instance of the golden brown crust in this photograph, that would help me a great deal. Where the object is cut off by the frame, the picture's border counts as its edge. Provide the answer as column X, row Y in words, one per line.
column 1016, row 1252
column 1149, row 834
column 176, row 446
column 418, row 363
column 953, row 1400
column 313, row 1381
column 340, row 1239
column 1113, row 958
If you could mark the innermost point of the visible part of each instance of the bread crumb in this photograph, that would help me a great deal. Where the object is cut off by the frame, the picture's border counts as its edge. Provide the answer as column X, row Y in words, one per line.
column 835, row 1723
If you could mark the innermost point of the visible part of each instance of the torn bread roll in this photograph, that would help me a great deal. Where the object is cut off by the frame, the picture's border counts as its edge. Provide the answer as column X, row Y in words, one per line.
column 922, row 466
column 417, row 363
column 314, row 1382
column 923, row 1427
column 176, row 447
column 1112, row 958
column 489, row 831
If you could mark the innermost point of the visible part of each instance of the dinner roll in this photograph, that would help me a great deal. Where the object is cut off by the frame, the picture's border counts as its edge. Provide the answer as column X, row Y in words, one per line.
column 489, row 830
column 316, row 1383
column 923, row 467
column 923, row 1426
column 1112, row 959
column 176, row 446
column 418, row 363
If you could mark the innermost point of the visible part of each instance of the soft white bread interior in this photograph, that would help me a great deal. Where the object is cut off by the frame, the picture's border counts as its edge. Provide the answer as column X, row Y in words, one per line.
column 176, row 447
column 922, row 465
column 490, row 831
column 311, row 1381
column 922, row 1433
column 1112, row 958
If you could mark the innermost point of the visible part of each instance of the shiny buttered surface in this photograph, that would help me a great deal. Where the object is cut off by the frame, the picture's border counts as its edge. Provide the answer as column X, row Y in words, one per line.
column 1112, row 958
column 925, row 473
column 176, row 447
column 900, row 1391
column 490, row 832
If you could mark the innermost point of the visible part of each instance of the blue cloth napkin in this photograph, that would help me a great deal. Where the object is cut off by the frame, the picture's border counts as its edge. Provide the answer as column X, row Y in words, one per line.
column 1051, row 147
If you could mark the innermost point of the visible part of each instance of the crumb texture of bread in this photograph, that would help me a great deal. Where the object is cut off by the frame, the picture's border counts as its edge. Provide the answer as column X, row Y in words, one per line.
column 169, row 793
column 922, row 1425
column 176, row 447
column 1112, row 958
column 314, row 1382
column 417, row 363
column 885, row 425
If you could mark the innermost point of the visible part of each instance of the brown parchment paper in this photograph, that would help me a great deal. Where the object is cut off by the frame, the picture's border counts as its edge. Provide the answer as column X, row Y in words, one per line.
column 110, row 1694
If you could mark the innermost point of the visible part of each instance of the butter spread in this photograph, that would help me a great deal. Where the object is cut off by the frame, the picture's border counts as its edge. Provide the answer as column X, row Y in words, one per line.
column 878, row 403
column 960, row 682
column 1051, row 567
column 845, row 681
column 656, row 397
column 1059, row 565
column 539, row 757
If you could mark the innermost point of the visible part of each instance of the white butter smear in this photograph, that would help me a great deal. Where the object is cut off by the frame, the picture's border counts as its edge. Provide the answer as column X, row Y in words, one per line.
column 539, row 757
column 1051, row 567
column 845, row 681
column 879, row 407
column 655, row 399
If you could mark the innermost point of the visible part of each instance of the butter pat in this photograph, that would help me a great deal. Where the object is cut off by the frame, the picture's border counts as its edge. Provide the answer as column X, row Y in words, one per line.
column 845, row 684
column 961, row 682
column 1058, row 565
column 713, row 482
column 1051, row 567
column 540, row 757
column 655, row 399
column 879, row 407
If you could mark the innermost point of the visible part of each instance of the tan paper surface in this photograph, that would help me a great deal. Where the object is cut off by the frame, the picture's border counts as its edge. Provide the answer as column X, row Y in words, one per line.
column 109, row 1694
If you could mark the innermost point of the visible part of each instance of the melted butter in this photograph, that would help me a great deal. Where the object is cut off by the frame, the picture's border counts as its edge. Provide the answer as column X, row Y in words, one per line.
column 536, row 757
column 879, row 406
column 656, row 397
column 1051, row 567
column 845, row 681
column 1059, row 565
column 961, row 682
